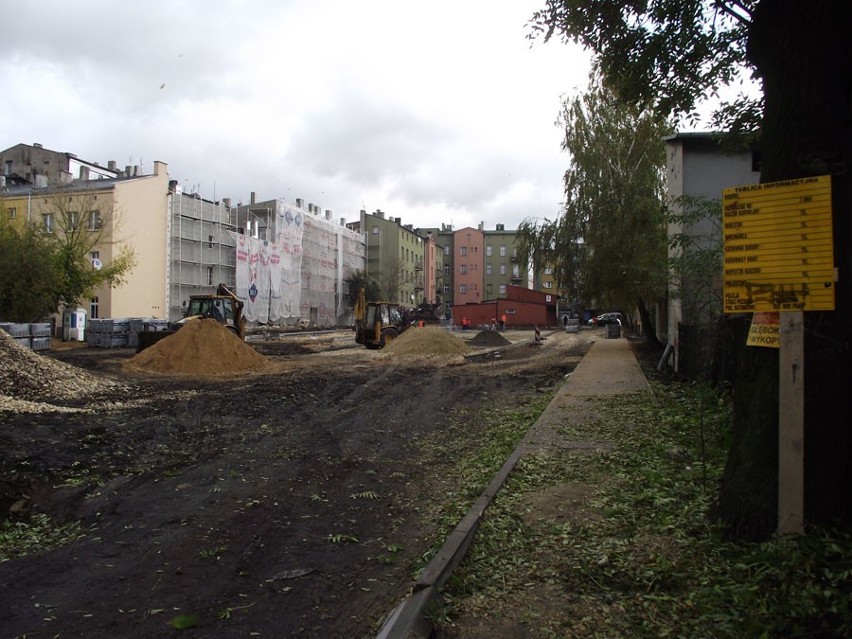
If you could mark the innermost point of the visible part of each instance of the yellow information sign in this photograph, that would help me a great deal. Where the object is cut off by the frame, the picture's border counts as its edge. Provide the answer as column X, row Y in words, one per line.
column 778, row 251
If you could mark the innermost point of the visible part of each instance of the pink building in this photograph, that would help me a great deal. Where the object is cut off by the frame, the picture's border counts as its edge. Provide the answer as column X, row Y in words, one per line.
column 468, row 275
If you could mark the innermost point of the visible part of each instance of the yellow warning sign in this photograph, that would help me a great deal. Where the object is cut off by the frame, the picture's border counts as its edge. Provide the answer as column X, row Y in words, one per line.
column 778, row 247
column 764, row 331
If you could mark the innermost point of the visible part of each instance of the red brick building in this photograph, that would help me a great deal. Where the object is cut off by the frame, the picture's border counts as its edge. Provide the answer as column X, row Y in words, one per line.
column 523, row 308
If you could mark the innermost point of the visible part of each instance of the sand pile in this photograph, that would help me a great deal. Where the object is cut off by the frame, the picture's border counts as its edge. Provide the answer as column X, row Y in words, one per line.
column 427, row 341
column 33, row 377
column 201, row 347
column 489, row 338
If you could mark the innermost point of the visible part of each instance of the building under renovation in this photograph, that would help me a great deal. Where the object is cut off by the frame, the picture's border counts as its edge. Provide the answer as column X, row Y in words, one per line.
column 292, row 263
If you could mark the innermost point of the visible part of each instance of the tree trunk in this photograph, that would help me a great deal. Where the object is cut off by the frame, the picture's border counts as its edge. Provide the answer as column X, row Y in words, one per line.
column 801, row 53
column 648, row 325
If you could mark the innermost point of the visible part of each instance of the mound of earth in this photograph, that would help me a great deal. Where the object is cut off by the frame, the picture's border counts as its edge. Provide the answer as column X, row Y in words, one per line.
column 428, row 340
column 29, row 376
column 201, row 347
column 489, row 338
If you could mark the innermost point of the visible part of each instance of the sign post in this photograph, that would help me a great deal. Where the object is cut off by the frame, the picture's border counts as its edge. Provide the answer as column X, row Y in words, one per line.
column 778, row 253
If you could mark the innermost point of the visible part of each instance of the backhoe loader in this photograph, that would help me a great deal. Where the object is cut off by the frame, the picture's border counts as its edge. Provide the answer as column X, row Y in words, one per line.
column 377, row 323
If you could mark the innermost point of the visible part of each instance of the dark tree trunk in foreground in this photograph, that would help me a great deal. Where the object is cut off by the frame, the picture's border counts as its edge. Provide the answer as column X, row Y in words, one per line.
column 648, row 325
column 803, row 56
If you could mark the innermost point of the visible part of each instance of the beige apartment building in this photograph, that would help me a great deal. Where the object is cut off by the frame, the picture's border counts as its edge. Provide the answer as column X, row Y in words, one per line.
column 128, row 213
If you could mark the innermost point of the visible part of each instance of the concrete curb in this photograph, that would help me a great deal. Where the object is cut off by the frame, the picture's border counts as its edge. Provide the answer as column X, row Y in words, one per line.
column 409, row 620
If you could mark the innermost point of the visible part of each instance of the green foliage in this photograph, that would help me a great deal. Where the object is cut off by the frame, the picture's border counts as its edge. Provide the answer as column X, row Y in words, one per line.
column 695, row 257
column 30, row 269
column 38, row 269
column 638, row 556
column 18, row 539
column 608, row 246
column 184, row 622
column 665, row 55
column 359, row 280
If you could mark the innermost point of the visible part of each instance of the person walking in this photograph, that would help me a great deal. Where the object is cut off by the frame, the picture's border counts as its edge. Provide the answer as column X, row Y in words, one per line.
column 503, row 322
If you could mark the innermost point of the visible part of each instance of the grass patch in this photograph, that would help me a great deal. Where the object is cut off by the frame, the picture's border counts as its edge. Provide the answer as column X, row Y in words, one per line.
column 639, row 558
column 479, row 455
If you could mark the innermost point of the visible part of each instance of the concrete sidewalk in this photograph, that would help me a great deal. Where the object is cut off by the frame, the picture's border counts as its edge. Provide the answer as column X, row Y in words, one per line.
column 609, row 368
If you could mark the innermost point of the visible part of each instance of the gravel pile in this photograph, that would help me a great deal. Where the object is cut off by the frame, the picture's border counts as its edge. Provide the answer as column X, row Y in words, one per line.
column 28, row 378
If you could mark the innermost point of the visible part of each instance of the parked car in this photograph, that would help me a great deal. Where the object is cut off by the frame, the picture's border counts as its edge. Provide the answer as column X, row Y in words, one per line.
column 606, row 318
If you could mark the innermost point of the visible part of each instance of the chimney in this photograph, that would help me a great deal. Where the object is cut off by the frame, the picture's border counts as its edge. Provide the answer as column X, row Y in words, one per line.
column 65, row 177
column 252, row 197
column 111, row 165
column 84, row 172
column 135, row 170
column 159, row 167
column 343, row 221
column 311, row 207
column 37, row 145
column 299, row 202
column 227, row 202
column 127, row 169
column 328, row 214
column 172, row 186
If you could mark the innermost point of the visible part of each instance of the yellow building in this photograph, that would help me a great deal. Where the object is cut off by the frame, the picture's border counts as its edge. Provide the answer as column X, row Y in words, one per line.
column 130, row 211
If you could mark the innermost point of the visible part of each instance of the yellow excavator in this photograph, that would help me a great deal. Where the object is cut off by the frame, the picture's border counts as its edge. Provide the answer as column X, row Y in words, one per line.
column 223, row 306
column 377, row 323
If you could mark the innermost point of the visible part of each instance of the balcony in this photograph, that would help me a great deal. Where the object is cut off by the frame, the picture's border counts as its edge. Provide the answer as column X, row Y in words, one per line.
column 418, row 265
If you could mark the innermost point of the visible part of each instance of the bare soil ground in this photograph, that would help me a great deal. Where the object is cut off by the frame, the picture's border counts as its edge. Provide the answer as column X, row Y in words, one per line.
column 296, row 502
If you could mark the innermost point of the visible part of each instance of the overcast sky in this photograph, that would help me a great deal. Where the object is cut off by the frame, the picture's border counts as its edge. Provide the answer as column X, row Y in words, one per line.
column 435, row 112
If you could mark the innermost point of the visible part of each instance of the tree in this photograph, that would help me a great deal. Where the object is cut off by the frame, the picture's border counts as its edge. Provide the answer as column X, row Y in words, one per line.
column 695, row 252
column 609, row 243
column 77, row 227
column 48, row 261
column 671, row 55
column 30, row 268
column 359, row 280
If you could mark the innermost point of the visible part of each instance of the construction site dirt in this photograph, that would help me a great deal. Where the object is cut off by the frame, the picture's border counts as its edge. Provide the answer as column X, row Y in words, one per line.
column 296, row 499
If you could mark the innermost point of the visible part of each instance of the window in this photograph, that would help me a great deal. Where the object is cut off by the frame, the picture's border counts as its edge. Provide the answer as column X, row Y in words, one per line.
column 463, row 251
column 516, row 271
column 548, row 270
column 548, row 284
column 446, row 269
column 488, row 251
column 73, row 220
column 489, row 290
column 95, row 258
column 48, row 222
column 93, row 308
column 446, row 250
column 502, row 289
column 13, row 212
column 502, row 250
column 210, row 275
column 463, row 288
column 95, row 221
column 210, row 240
column 488, row 268
column 502, row 269
column 375, row 230
column 446, row 289
column 463, row 269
